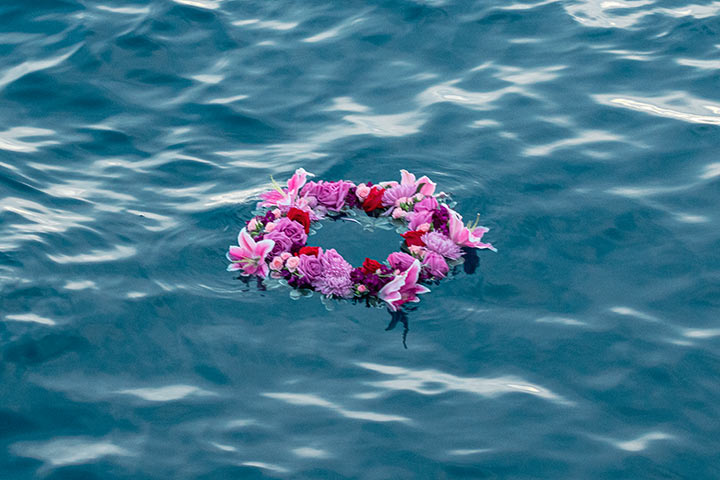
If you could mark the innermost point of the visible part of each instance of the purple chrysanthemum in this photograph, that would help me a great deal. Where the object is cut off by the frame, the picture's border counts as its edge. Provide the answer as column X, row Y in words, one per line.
column 391, row 195
column 439, row 243
column 335, row 276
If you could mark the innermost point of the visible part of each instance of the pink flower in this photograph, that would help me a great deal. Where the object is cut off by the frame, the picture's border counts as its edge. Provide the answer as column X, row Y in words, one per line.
column 292, row 229
column 249, row 256
column 361, row 289
column 403, row 288
column 269, row 227
column 362, row 191
column 398, row 213
column 310, row 267
column 292, row 263
column 427, row 204
column 419, row 218
column 418, row 251
column 335, row 276
column 393, row 195
column 252, row 225
column 400, row 261
column 276, row 264
column 439, row 243
column 424, row 227
column 277, row 212
column 329, row 194
column 285, row 196
column 436, row 265
column 285, row 255
column 463, row 236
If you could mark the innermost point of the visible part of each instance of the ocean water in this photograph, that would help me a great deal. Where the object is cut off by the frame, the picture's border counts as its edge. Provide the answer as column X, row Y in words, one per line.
column 134, row 138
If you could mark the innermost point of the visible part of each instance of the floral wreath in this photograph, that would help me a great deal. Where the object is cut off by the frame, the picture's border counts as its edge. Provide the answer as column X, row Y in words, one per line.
column 274, row 242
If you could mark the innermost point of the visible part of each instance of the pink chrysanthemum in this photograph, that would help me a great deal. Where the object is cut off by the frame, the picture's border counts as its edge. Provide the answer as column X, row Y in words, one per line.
column 335, row 276
column 391, row 195
column 439, row 243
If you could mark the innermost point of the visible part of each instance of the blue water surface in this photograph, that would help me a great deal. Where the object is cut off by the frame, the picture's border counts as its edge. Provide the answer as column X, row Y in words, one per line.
column 135, row 137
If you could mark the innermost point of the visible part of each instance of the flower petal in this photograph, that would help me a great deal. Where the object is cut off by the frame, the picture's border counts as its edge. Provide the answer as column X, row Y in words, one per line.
column 407, row 178
column 235, row 253
column 428, row 186
column 263, row 247
column 246, row 241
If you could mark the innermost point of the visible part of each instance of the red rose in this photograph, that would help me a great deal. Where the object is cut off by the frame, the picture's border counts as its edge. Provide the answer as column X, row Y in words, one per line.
column 374, row 199
column 370, row 265
column 303, row 218
column 313, row 251
column 413, row 238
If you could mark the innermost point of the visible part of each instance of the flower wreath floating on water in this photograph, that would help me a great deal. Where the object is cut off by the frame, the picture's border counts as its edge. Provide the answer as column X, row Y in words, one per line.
column 274, row 242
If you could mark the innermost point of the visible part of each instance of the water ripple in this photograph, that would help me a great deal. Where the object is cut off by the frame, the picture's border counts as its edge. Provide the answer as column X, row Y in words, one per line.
column 316, row 401
column 434, row 382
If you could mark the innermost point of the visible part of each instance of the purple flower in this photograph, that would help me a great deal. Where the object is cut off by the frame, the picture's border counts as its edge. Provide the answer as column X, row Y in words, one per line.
column 439, row 243
column 391, row 195
column 436, row 265
column 330, row 194
column 335, row 276
column 310, row 267
column 292, row 229
column 282, row 242
column 400, row 260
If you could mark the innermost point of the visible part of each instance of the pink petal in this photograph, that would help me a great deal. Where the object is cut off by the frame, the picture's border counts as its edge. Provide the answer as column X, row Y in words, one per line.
column 233, row 267
column 407, row 178
column 235, row 253
column 297, row 181
column 263, row 247
column 246, row 241
column 262, row 269
column 411, row 274
column 428, row 186
column 390, row 293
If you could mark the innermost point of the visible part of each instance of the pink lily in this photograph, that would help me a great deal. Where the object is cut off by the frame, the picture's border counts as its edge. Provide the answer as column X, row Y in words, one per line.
column 427, row 186
column 285, row 196
column 250, row 255
column 403, row 288
column 408, row 179
column 464, row 236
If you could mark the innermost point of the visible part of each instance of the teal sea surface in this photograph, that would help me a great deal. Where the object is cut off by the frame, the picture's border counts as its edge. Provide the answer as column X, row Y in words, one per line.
column 135, row 137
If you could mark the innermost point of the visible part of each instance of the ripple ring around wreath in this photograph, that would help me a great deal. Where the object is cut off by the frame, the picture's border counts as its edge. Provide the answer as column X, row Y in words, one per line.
column 273, row 244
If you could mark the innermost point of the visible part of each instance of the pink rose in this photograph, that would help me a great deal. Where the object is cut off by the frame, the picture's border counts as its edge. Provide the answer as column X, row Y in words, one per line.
column 418, row 251
column 285, row 255
column 269, row 227
column 292, row 263
column 276, row 263
column 398, row 213
column 401, row 200
column 310, row 267
column 425, row 227
column 362, row 191
column 252, row 225
column 277, row 212
column 361, row 289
